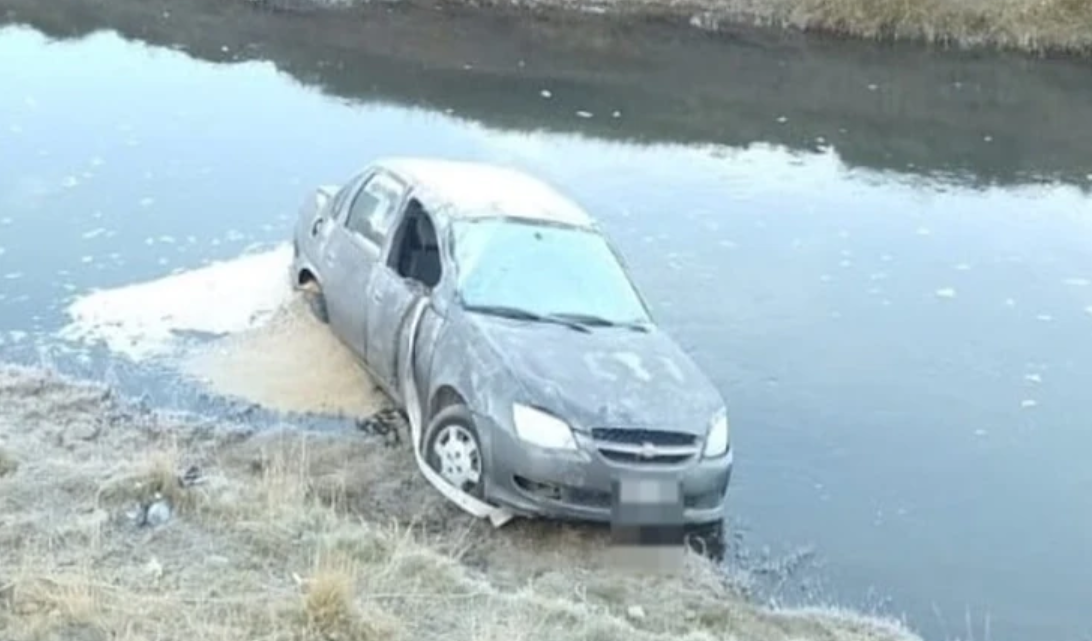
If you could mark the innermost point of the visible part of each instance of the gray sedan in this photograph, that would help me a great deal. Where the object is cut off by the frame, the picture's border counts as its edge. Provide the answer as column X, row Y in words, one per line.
column 495, row 313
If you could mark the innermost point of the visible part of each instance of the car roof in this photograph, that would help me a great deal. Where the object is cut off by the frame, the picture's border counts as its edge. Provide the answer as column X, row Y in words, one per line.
column 467, row 190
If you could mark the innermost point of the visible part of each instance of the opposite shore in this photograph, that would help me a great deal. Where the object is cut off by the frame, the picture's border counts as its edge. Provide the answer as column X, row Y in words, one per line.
column 1037, row 26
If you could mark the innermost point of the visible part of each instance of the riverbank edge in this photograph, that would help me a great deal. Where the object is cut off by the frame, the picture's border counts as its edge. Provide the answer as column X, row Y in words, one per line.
column 1043, row 28
column 308, row 536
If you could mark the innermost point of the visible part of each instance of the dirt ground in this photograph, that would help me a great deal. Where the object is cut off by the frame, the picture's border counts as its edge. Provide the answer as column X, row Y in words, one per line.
column 119, row 523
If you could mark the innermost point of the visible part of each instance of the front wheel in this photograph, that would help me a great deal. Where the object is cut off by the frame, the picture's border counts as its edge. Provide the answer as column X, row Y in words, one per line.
column 453, row 450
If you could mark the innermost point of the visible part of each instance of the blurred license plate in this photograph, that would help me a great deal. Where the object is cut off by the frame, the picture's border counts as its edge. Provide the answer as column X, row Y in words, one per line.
column 645, row 491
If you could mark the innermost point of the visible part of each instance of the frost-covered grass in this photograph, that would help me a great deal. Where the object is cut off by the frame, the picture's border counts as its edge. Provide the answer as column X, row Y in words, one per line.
column 296, row 536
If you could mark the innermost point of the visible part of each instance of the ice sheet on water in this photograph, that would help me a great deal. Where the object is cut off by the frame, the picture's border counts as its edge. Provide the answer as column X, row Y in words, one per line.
column 144, row 320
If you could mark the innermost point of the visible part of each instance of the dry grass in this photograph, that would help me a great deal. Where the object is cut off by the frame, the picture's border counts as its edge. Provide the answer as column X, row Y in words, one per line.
column 1029, row 25
column 1033, row 25
column 301, row 537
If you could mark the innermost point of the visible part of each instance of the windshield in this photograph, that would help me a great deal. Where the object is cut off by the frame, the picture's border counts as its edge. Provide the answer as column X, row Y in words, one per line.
column 547, row 270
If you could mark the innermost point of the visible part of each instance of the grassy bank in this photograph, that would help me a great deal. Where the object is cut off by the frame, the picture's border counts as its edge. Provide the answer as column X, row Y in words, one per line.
column 286, row 535
column 1027, row 25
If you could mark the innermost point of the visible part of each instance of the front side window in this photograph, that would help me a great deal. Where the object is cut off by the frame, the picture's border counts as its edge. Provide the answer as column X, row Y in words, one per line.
column 543, row 269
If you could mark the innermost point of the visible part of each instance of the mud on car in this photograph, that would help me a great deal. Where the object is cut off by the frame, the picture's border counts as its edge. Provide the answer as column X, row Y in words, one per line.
column 494, row 311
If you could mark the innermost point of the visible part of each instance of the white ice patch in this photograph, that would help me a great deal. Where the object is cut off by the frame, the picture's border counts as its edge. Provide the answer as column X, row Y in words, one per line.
column 946, row 292
column 143, row 320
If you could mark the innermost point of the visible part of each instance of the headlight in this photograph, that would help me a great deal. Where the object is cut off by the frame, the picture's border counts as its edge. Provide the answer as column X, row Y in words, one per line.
column 542, row 429
column 716, row 443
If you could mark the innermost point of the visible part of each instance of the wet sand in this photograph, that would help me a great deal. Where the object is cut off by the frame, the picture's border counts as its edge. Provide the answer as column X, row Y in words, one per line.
column 291, row 363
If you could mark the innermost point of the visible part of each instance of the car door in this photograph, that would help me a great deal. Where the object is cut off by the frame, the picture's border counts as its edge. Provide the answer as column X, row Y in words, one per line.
column 393, row 296
column 353, row 250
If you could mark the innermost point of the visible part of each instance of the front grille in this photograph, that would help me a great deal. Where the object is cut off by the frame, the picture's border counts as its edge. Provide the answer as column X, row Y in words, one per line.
column 639, row 436
column 643, row 446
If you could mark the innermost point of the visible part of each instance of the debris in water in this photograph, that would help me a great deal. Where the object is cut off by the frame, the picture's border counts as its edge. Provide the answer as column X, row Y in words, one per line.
column 545, row 93
column 980, row 432
column 782, row 119
column 962, row 267
column 584, row 114
column 1033, row 378
column 1046, row 318
column 988, row 138
column 1010, row 302
column 1027, row 403
column 616, row 114
column 873, row 87
column 1077, row 282
column 946, row 292
column 924, row 231
column 147, row 201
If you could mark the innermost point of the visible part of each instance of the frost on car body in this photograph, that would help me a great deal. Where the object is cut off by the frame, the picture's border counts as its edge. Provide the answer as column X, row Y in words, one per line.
column 495, row 312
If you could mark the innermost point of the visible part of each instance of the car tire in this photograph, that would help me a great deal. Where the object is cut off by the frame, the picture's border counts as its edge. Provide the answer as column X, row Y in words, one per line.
column 453, row 449
column 316, row 302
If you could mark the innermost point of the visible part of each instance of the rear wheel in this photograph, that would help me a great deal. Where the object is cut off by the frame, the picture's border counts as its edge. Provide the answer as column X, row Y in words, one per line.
column 453, row 450
column 316, row 301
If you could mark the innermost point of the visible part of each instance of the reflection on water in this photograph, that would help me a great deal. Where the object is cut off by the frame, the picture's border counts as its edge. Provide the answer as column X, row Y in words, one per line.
column 904, row 356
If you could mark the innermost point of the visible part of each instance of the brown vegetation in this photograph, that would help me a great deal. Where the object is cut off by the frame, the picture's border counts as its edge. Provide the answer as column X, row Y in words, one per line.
column 297, row 536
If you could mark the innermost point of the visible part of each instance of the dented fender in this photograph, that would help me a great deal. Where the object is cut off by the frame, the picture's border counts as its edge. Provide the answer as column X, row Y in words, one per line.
column 498, row 516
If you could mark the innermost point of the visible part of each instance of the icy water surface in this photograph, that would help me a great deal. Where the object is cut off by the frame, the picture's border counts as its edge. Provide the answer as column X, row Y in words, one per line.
column 906, row 356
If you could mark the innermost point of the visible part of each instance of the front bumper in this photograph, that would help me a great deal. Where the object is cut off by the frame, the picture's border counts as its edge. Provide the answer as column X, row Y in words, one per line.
column 578, row 485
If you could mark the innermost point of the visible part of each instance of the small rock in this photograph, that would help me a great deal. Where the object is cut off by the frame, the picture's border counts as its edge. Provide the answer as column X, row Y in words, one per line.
column 154, row 569
column 158, row 513
column 635, row 612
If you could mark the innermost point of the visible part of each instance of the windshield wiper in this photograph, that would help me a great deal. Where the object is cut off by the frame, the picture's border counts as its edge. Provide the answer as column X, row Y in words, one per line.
column 597, row 321
column 523, row 314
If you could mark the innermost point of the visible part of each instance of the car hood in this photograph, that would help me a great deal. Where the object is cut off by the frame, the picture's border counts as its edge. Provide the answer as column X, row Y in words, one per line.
column 608, row 377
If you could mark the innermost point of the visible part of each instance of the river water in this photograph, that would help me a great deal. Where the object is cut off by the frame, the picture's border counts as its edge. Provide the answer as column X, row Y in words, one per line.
column 895, row 296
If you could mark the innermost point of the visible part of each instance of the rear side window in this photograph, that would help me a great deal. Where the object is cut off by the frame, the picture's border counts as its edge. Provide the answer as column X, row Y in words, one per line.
column 374, row 208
